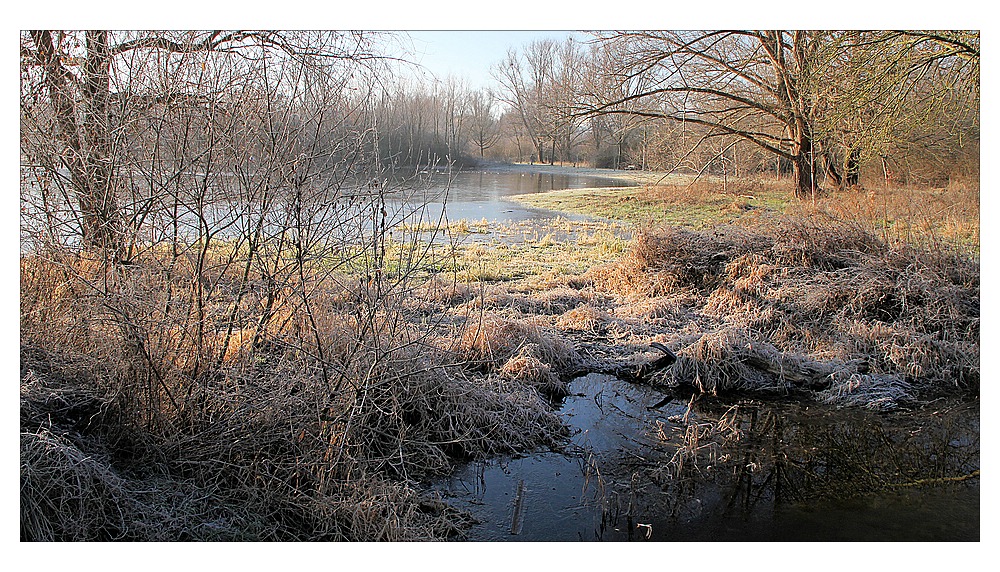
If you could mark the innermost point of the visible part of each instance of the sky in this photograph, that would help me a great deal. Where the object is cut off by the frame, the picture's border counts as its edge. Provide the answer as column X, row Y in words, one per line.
column 469, row 54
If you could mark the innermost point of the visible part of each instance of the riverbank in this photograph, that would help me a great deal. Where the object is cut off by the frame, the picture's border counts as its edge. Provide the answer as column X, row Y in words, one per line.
column 633, row 176
column 924, row 217
column 658, row 198
column 819, row 368
column 307, row 398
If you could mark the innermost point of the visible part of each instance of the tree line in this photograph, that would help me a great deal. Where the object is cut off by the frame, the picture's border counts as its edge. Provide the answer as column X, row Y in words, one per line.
column 119, row 126
column 818, row 104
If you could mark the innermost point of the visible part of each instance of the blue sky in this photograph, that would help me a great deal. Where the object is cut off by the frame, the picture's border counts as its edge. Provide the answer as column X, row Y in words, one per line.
column 469, row 54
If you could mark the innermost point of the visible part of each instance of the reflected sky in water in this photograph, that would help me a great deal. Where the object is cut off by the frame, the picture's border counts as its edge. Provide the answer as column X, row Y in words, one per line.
column 799, row 473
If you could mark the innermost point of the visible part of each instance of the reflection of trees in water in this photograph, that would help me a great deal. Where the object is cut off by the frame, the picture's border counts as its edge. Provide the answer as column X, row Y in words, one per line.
column 751, row 456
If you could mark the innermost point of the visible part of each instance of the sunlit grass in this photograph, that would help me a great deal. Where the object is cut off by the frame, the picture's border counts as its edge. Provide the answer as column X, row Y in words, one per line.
column 458, row 227
column 695, row 205
column 920, row 217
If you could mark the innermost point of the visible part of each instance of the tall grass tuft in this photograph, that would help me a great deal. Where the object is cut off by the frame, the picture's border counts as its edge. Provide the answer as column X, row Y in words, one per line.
column 809, row 302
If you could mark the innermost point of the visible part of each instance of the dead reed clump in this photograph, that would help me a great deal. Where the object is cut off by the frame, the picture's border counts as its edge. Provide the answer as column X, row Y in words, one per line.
column 493, row 340
column 583, row 318
column 871, row 391
column 627, row 275
column 433, row 418
column 444, row 291
column 737, row 307
column 817, row 241
column 674, row 309
column 527, row 368
column 639, row 269
column 60, row 299
column 67, row 494
column 714, row 363
column 658, row 262
column 749, row 273
column 544, row 301
column 84, row 477
column 812, row 303
column 701, row 443
column 386, row 511
column 554, row 301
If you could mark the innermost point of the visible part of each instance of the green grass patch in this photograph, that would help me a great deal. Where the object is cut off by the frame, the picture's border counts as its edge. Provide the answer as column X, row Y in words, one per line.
column 699, row 205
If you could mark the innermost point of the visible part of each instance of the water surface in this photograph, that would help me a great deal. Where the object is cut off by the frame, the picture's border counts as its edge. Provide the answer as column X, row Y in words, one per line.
column 799, row 473
column 476, row 195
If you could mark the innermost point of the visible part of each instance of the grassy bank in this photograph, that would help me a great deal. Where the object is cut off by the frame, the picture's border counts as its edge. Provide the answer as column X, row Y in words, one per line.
column 917, row 216
column 681, row 201
column 214, row 395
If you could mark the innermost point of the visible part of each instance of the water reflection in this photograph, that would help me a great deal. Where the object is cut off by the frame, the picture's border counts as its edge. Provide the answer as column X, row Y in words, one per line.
column 475, row 195
column 225, row 208
column 735, row 471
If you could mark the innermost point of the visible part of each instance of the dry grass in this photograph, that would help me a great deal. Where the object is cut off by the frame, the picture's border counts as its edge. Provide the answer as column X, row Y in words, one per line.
column 495, row 339
column 803, row 303
column 925, row 217
column 150, row 413
column 160, row 402
column 672, row 200
column 583, row 318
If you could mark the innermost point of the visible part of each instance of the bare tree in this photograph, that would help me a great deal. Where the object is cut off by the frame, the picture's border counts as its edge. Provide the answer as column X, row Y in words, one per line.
column 896, row 94
column 805, row 97
column 83, row 90
column 568, row 77
column 528, row 79
column 605, row 81
column 484, row 127
column 719, row 80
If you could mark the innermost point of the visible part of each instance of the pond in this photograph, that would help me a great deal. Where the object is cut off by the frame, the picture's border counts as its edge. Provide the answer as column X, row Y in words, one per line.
column 759, row 471
column 422, row 198
column 485, row 194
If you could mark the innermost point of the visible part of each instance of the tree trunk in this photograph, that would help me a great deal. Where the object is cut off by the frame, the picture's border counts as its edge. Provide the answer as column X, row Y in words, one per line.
column 853, row 169
column 88, row 146
column 833, row 174
column 803, row 164
column 803, row 175
column 105, row 225
column 846, row 175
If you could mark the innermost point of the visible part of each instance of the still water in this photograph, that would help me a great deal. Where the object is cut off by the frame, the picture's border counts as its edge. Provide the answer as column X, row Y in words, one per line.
column 796, row 473
column 475, row 195
column 426, row 198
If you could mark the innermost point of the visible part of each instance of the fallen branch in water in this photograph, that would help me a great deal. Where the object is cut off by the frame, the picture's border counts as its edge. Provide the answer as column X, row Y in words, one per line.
column 641, row 373
column 939, row 480
column 515, row 524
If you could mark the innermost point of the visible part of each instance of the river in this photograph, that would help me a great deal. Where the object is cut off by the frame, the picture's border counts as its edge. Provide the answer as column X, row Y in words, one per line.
column 428, row 197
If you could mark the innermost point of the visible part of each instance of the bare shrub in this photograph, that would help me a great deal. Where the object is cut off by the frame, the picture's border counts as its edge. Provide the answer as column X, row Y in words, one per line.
column 268, row 432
